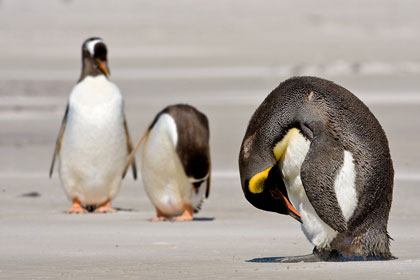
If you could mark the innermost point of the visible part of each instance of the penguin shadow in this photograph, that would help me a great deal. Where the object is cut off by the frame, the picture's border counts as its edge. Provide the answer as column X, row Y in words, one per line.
column 266, row 260
column 30, row 194
column 120, row 209
column 203, row 219
column 92, row 208
column 300, row 259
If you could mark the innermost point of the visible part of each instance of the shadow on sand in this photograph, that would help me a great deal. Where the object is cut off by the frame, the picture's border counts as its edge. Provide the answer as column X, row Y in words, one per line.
column 119, row 209
column 31, row 194
column 338, row 259
column 203, row 219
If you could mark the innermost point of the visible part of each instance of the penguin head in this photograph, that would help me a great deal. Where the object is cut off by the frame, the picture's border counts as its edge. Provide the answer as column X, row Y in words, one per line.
column 261, row 178
column 94, row 57
column 254, row 168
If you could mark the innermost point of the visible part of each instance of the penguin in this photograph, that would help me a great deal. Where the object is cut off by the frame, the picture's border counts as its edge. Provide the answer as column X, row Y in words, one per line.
column 315, row 152
column 93, row 143
column 175, row 163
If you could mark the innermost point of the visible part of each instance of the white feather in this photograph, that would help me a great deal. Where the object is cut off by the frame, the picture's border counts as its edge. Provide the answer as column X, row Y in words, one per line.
column 91, row 45
column 316, row 230
column 94, row 151
column 345, row 187
column 163, row 174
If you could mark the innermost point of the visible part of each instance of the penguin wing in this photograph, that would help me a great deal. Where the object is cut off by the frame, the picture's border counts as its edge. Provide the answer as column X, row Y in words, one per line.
column 59, row 139
column 129, row 149
column 208, row 182
column 318, row 172
column 132, row 155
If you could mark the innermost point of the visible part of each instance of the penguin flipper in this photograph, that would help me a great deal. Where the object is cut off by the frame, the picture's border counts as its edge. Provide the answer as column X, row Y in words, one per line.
column 129, row 149
column 208, row 182
column 318, row 171
column 59, row 139
column 132, row 155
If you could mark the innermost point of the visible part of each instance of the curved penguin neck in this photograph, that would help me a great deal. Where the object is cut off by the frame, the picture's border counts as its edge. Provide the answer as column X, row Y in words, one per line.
column 89, row 68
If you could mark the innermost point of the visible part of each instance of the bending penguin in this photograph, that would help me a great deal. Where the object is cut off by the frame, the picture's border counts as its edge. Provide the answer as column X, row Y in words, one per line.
column 176, row 162
column 314, row 151
column 93, row 144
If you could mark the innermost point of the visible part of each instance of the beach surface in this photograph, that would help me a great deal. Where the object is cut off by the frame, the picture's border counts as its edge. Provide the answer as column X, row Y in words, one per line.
column 224, row 57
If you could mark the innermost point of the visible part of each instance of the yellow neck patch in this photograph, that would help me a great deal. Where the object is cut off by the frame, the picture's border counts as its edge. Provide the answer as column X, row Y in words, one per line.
column 280, row 149
column 256, row 184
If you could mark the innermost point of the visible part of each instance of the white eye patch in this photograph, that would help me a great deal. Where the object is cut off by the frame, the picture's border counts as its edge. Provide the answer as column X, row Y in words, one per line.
column 91, row 45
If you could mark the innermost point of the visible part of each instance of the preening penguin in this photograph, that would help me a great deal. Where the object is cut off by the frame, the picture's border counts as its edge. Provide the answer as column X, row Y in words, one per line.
column 314, row 151
column 175, row 164
column 93, row 143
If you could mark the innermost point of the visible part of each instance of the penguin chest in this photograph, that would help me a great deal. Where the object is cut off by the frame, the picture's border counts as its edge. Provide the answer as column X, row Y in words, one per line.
column 292, row 152
column 163, row 174
column 294, row 149
column 93, row 151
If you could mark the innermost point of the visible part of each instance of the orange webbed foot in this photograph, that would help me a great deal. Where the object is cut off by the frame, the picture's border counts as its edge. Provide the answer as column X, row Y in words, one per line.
column 187, row 216
column 76, row 207
column 105, row 208
column 160, row 217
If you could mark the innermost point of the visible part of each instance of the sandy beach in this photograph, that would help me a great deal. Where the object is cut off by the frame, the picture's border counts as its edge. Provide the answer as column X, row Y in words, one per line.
column 224, row 57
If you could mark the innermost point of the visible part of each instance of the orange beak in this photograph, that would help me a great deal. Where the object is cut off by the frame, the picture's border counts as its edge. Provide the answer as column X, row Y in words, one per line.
column 103, row 66
column 290, row 206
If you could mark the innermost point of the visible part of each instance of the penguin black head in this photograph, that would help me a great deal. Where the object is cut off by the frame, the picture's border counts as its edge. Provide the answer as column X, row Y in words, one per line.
column 94, row 58
column 261, row 178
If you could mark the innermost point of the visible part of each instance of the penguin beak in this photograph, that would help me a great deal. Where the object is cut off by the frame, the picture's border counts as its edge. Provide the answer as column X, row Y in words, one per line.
column 257, row 184
column 103, row 65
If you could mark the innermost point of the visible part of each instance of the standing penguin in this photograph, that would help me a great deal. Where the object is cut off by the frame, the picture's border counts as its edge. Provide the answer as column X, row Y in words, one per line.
column 176, row 162
column 93, row 143
column 315, row 152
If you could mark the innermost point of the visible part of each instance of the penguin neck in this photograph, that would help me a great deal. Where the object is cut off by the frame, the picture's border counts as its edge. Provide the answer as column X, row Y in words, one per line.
column 89, row 68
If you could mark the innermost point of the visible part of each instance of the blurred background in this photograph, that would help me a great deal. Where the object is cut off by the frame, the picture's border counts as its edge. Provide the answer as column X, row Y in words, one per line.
column 223, row 57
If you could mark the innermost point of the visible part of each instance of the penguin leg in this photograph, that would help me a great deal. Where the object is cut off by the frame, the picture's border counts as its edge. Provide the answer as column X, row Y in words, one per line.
column 76, row 207
column 187, row 215
column 105, row 208
column 159, row 216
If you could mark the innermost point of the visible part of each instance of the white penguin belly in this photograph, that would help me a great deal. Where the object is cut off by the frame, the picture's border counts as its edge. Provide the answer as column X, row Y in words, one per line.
column 316, row 230
column 345, row 187
column 163, row 174
column 94, row 151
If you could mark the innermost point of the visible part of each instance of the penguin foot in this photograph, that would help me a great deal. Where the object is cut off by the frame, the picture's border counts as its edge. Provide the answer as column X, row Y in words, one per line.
column 186, row 216
column 160, row 217
column 316, row 256
column 304, row 258
column 76, row 207
column 105, row 208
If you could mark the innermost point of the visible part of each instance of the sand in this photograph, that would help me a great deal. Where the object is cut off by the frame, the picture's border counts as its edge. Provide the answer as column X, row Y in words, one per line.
column 223, row 57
